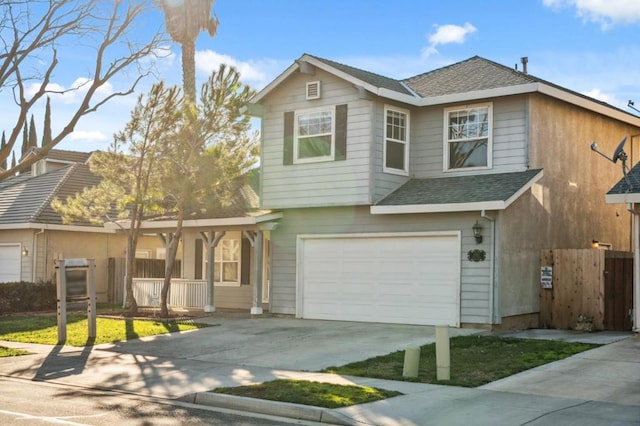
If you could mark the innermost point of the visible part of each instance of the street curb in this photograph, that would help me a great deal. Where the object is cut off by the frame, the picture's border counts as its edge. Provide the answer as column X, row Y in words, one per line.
column 273, row 408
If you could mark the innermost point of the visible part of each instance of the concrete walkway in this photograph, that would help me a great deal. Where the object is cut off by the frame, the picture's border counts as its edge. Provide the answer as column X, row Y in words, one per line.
column 601, row 386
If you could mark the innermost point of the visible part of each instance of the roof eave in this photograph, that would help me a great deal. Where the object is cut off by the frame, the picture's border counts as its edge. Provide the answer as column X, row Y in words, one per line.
column 439, row 208
column 627, row 198
column 204, row 223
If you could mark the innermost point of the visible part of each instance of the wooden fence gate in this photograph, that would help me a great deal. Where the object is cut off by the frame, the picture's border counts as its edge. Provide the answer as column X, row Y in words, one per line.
column 586, row 287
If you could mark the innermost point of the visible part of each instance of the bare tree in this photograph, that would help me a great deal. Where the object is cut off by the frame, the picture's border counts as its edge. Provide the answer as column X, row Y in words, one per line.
column 32, row 33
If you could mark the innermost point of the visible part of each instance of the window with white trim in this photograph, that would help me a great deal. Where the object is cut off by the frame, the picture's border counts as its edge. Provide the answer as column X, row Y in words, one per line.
column 396, row 141
column 226, row 271
column 314, row 136
column 468, row 137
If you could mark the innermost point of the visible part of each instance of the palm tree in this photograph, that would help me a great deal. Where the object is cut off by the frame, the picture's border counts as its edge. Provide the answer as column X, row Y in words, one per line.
column 184, row 20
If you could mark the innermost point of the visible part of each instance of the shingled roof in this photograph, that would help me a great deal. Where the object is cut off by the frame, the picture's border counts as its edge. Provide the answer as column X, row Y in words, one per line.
column 458, row 190
column 470, row 79
column 27, row 199
column 368, row 77
column 473, row 74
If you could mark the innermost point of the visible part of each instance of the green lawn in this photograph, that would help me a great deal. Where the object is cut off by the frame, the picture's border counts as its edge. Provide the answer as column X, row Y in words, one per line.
column 310, row 393
column 4, row 351
column 44, row 329
column 475, row 360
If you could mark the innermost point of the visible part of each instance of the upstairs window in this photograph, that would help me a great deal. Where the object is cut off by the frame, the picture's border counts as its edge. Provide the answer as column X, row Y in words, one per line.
column 468, row 137
column 396, row 141
column 314, row 136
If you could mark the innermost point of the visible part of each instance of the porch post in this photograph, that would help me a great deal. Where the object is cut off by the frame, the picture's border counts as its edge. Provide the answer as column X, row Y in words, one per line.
column 256, row 309
column 211, row 239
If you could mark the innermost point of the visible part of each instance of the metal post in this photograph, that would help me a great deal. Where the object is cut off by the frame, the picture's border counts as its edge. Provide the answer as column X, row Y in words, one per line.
column 636, row 272
column 91, row 302
column 61, row 301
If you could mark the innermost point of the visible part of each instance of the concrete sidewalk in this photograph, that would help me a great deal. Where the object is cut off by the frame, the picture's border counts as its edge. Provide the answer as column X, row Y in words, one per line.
column 601, row 386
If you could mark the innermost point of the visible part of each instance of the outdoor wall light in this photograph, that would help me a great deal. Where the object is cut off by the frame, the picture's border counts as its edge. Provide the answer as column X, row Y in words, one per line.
column 25, row 252
column 477, row 232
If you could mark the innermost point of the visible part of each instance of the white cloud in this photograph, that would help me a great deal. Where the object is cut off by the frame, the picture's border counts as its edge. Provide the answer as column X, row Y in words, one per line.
column 447, row 34
column 73, row 93
column 88, row 136
column 604, row 12
column 256, row 72
column 601, row 96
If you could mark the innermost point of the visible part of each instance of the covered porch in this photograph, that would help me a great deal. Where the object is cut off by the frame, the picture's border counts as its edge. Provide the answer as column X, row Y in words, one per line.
column 225, row 264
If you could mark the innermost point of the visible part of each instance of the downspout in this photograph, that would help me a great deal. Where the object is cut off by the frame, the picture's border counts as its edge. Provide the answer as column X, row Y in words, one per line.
column 492, row 288
column 34, row 261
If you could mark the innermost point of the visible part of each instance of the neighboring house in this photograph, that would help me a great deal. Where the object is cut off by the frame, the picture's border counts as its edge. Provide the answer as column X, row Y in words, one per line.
column 382, row 184
column 32, row 234
column 626, row 192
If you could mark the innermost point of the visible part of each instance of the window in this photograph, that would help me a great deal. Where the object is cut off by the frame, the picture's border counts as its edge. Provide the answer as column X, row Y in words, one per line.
column 468, row 137
column 313, row 136
column 227, row 262
column 396, row 141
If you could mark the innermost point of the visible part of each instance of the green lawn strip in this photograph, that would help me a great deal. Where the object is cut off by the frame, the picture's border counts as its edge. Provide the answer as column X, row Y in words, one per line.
column 304, row 392
column 475, row 360
column 4, row 351
column 44, row 329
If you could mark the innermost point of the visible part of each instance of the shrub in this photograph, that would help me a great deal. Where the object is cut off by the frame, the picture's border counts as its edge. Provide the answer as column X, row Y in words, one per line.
column 27, row 297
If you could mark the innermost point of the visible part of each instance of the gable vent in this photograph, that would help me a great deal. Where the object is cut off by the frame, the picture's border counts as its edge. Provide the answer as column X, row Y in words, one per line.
column 313, row 90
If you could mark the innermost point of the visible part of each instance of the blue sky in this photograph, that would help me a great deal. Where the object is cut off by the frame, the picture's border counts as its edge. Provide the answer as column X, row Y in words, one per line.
column 590, row 46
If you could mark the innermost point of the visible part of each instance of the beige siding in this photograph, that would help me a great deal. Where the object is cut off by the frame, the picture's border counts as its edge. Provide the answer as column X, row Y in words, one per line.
column 315, row 184
column 475, row 279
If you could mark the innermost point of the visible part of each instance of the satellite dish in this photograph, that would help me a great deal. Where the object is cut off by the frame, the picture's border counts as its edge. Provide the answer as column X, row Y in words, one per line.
column 619, row 153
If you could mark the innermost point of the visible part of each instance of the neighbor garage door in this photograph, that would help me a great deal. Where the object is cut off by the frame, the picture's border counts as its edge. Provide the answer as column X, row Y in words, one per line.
column 391, row 279
column 9, row 263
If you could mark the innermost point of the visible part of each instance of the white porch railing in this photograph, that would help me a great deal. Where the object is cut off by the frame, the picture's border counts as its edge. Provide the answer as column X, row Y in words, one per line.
column 183, row 293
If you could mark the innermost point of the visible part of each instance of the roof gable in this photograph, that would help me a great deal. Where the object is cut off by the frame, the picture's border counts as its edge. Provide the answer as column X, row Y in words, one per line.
column 473, row 79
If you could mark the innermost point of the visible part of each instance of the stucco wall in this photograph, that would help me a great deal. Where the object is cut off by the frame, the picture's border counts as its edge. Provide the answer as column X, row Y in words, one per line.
column 567, row 208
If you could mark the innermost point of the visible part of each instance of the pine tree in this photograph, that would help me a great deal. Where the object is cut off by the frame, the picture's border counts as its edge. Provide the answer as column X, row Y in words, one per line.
column 33, row 136
column 13, row 160
column 46, row 132
column 3, row 164
column 25, row 139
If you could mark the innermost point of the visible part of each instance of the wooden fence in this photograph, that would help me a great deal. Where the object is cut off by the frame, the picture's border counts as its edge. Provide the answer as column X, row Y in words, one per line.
column 585, row 289
column 143, row 268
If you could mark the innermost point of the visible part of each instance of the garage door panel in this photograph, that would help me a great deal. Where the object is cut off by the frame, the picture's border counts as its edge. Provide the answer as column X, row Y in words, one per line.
column 10, row 262
column 410, row 280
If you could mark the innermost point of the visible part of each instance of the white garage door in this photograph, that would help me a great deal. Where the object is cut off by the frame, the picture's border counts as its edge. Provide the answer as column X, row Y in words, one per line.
column 394, row 279
column 9, row 263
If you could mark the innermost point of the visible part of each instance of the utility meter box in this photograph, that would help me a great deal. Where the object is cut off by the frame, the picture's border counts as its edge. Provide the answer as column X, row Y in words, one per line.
column 75, row 284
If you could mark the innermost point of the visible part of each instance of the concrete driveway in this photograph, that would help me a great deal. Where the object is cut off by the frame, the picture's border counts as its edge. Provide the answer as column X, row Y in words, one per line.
column 283, row 343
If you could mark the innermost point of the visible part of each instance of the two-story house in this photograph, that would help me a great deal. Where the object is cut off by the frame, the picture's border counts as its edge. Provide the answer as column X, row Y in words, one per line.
column 428, row 200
